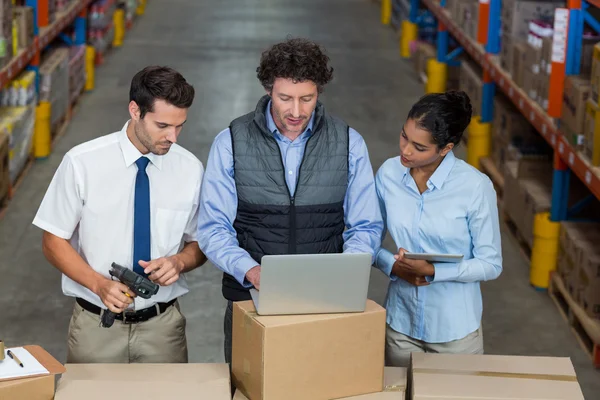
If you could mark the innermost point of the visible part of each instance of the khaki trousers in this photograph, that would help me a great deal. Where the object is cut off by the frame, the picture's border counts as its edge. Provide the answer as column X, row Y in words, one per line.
column 398, row 347
column 159, row 340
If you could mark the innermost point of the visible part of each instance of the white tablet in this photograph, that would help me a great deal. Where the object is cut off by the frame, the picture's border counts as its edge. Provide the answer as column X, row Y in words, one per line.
column 450, row 258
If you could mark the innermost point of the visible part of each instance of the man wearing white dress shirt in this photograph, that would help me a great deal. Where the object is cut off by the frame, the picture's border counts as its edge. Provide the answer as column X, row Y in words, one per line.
column 130, row 197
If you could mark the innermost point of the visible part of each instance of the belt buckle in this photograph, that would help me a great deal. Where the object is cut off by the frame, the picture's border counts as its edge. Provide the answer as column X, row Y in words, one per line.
column 130, row 317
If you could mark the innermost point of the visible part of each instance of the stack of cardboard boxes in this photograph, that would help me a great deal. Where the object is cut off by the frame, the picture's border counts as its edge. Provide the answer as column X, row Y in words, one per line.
column 471, row 82
column 516, row 16
column 317, row 357
column 579, row 264
column 6, row 35
column 465, row 13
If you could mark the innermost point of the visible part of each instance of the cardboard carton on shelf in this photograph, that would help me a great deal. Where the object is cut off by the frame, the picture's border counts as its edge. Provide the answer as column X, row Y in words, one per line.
column 150, row 381
column 517, row 14
column 480, row 377
column 320, row 356
column 591, row 132
column 576, row 93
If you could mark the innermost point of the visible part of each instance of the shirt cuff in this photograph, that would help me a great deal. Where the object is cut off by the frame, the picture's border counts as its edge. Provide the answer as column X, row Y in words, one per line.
column 243, row 266
column 445, row 272
column 385, row 261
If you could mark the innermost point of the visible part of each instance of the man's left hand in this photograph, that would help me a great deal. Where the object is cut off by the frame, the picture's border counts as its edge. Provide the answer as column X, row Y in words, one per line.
column 164, row 271
column 416, row 267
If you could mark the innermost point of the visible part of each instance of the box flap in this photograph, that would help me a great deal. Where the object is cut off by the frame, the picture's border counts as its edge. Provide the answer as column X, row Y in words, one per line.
column 280, row 320
column 147, row 372
column 152, row 380
column 101, row 390
column 472, row 387
column 456, row 363
column 453, row 376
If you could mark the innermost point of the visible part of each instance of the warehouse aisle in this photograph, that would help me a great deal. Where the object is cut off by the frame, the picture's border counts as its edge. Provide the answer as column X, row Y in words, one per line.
column 216, row 45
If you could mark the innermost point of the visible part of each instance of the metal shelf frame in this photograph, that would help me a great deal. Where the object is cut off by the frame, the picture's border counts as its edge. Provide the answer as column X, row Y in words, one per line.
column 30, row 58
column 484, row 51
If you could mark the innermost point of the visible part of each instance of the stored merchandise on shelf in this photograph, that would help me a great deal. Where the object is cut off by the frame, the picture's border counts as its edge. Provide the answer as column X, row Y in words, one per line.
column 19, row 92
column 17, row 123
column 76, row 72
column 6, row 32
column 24, row 27
column 54, row 84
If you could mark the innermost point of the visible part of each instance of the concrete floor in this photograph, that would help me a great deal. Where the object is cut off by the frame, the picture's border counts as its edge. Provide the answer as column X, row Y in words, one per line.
column 216, row 45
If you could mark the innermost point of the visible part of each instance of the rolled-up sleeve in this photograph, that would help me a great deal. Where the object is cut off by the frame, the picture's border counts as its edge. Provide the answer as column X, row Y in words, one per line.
column 60, row 210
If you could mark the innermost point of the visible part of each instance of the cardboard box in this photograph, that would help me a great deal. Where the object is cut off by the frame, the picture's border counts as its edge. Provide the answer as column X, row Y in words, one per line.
column 471, row 82
column 40, row 387
column 518, row 62
column 589, row 279
column 592, row 132
column 529, row 83
column 546, row 61
column 533, row 58
column 516, row 15
column 499, row 152
column 576, row 93
column 394, row 386
column 537, row 197
column 595, row 72
column 481, row 377
column 321, row 356
column 587, row 55
column 507, row 53
column 155, row 381
column 4, row 168
column 24, row 22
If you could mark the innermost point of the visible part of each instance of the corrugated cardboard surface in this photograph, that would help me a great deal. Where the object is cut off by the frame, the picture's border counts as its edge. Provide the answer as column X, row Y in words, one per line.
column 516, row 15
column 320, row 356
column 592, row 132
column 484, row 377
column 394, row 381
column 40, row 388
column 576, row 93
column 156, row 381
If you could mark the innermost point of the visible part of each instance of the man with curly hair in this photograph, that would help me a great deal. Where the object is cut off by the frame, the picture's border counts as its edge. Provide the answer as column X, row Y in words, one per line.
column 286, row 178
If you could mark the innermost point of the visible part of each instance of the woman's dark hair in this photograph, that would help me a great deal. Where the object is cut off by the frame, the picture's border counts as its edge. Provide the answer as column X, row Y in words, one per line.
column 444, row 115
column 297, row 59
column 160, row 83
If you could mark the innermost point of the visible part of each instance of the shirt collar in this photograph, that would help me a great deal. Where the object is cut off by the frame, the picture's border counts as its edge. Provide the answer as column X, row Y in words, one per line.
column 273, row 128
column 440, row 174
column 443, row 170
column 131, row 153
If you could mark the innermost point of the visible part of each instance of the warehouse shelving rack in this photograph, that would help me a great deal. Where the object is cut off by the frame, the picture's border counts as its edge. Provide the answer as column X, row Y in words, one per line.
column 75, row 16
column 566, row 53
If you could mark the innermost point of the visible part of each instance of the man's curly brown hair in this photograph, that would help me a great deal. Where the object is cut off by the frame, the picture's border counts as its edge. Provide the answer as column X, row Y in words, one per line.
column 298, row 59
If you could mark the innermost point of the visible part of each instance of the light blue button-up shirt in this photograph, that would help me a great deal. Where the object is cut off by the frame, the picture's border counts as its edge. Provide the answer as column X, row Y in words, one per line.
column 218, row 201
column 457, row 214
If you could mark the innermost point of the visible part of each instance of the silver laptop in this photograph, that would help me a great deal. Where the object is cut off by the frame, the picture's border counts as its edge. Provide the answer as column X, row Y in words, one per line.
column 312, row 284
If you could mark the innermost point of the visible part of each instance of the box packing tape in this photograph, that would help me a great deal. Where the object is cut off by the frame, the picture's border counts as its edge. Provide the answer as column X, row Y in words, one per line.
column 519, row 375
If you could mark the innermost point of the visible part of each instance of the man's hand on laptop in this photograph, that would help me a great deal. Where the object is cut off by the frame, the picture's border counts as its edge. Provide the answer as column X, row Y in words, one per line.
column 253, row 276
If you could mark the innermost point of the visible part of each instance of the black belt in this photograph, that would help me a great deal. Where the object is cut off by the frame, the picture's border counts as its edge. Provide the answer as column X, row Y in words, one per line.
column 129, row 317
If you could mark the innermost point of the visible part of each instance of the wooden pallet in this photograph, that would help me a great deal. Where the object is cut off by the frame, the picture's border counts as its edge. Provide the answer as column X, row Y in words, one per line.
column 585, row 329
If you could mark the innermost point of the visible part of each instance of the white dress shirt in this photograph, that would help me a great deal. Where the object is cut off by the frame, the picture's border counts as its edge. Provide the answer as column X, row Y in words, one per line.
column 90, row 203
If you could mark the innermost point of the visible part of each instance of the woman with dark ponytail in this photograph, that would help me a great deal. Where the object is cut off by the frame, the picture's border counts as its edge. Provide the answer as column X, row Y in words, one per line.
column 434, row 203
